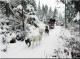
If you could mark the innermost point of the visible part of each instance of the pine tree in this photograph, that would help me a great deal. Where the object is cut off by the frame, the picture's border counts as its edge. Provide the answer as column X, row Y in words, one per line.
column 33, row 3
column 46, row 9
column 43, row 10
column 49, row 13
column 39, row 11
column 55, row 14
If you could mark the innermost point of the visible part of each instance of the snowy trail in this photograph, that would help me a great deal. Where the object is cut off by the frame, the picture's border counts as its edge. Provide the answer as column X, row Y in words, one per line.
column 44, row 50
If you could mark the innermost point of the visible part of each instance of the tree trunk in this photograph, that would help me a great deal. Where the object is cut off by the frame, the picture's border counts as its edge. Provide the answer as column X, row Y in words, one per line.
column 65, row 14
column 79, row 26
column 79, row 22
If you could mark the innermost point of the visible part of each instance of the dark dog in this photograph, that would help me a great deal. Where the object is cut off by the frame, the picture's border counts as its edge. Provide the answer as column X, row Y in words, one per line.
column 20, row 38
column 51, row 23
column 28, row 41
column 47, row 30
column 13, row 41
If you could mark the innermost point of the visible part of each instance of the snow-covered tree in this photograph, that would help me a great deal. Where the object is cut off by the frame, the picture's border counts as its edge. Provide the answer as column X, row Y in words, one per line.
column 49, row 14
column 33, row 3
column 43, row 10
column 39, row 11
column 46, row 9
column 29, row 6
column 55, row 14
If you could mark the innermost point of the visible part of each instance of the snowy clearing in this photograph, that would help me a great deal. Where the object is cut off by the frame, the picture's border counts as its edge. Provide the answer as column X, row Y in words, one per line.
column 46, row 48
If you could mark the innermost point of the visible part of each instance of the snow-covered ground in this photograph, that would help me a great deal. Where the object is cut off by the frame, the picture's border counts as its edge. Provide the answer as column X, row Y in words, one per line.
column 45, row 49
